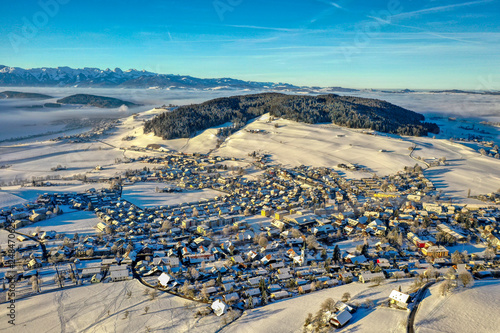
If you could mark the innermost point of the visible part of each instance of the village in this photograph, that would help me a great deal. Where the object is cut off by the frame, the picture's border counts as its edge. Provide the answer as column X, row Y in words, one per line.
column 286, row 232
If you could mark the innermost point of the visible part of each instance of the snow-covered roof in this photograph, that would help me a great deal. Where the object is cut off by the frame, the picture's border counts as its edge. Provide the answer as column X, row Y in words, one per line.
column 342, row 317
column 219, row 307
column 399, row 296
column 164, row 278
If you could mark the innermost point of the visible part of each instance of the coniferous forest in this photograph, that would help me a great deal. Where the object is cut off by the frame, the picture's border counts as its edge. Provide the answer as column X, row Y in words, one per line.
column 352, row 112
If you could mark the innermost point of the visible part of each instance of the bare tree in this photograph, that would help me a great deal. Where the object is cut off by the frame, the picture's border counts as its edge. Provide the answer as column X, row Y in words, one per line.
column 466, row 279
column 153, row 294
column 296, row 233
column 489, row 253
column 346, row 297
column 34, row 284
column 445, row 287
column 311, row 242
column 456, row 257
column 263, row 241
column 377, row 280
column 328, row 305
column 166, row 225
column 194, row 273
column 204, row 292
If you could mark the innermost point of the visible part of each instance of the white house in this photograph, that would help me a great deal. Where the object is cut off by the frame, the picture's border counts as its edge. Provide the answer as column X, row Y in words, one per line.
column 120, row 275
column 219, row 307
column 164, row 279
column 400, row 299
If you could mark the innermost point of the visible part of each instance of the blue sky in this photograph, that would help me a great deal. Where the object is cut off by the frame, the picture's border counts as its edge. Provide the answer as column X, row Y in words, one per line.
column 363, row 44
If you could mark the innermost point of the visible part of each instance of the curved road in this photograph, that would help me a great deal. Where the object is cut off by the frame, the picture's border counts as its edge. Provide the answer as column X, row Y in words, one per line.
column 420, row 296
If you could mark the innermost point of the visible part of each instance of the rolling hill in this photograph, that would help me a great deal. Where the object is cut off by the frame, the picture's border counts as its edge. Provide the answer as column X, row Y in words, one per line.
column 353, row 112
column 18, row 94
column 97, row 101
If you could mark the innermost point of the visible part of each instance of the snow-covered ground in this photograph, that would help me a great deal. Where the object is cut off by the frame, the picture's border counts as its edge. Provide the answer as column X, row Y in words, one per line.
column 473, row 309
column 31, row 193
column 289, row 315
column 144, row 195
column 106, row 307
column 293, row 143
column 80, row 222
column 8, row 199
column 290, row 143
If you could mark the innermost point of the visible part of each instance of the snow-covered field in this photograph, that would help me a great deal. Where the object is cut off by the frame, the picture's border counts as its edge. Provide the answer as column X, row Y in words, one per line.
column 328, row 145
column 289, row 315
column 467, row 310
column 31, row 193
column 144, row 195
column 8, row 199
column 106, row 307
column 80, row 222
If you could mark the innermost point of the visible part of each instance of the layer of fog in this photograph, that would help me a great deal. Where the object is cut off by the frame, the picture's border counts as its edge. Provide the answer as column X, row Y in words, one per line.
column 19, row 122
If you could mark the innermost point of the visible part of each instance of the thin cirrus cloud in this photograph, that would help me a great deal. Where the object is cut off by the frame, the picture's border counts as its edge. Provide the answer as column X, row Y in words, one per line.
column 331, row 3
column 439, row 9
column 256, row 27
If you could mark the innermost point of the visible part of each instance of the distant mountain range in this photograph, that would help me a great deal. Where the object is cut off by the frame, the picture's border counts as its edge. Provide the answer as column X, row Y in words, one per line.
column 132, row 78
column 95, row 77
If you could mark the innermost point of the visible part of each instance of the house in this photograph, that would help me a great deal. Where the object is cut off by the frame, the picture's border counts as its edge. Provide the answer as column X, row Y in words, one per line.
column 35, row 217
column 232, row 297
column 340, row 318
column 280, row 294
column 252, row 292
column 435, row 251
column 346, row 276
column 356, row 259
column 267, row 212
column 281, row 214
column 90, row 271
column 219, row 307
column 400, row 299
column 306, row 288
column 164, row 279
column 34, row 263
column 383, row 263
column 365, row 277
column 274, row 287
column 96, row 278
column 301, row 220
column 120, row 275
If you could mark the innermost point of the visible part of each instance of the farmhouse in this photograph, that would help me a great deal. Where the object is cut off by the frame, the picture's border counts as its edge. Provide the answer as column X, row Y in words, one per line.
column 400, row 299
column 340, row 318
column 120, row 275
column 369, row 276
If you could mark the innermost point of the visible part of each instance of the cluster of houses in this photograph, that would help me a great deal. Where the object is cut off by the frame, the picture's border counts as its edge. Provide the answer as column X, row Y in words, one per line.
column 213, row 250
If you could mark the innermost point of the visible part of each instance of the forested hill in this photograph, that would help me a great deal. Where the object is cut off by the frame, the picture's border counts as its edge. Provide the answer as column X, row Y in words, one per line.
column 353, row 112
column 17, row 94
column 97, row 101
